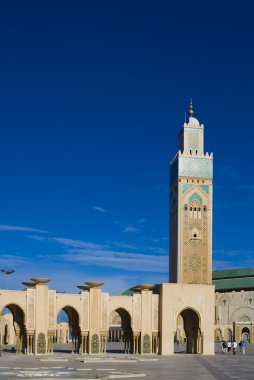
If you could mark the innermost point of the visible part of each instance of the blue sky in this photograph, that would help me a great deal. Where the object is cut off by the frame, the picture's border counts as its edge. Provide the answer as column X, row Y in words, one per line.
column 92, row 96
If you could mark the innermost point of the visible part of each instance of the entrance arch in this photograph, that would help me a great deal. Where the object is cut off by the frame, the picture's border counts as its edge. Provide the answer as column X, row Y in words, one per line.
column 191, row 326
column 246, row 334
column 68, row 338
column 19, row 327
column 120, row 335
column 217, row 335
column 229, row 335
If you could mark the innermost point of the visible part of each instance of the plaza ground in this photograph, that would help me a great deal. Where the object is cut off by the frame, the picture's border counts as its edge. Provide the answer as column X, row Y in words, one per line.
column 118, row 366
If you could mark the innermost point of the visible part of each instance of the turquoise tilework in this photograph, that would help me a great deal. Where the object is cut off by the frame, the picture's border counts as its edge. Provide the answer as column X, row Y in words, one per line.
column 205, row 188
column 195, row 196
column 195, row 167
column 186, row 186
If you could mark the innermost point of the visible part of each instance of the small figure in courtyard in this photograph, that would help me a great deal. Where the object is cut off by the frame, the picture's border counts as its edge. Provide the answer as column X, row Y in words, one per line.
column 243, row 347
column 229, row 345
column 223, row 346
column 234, row 346
column 240, row 346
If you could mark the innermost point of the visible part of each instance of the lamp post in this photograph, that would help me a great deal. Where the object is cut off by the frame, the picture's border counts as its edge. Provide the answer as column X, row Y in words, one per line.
column 7, row 272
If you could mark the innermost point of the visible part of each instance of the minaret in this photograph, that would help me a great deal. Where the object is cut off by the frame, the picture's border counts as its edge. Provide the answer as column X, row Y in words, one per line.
column 191, row 187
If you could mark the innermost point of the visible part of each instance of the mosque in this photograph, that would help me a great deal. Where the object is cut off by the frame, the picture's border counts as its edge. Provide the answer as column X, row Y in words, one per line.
column 196, row 306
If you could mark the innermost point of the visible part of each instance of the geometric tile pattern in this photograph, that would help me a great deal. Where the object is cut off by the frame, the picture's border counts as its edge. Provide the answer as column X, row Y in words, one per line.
column 195, row 167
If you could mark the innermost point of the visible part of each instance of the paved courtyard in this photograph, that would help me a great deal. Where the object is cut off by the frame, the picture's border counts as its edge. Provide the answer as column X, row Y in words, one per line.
column 120, row 366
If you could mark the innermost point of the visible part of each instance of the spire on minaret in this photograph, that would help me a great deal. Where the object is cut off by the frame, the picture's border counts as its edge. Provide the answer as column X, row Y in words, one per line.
column 191, row 112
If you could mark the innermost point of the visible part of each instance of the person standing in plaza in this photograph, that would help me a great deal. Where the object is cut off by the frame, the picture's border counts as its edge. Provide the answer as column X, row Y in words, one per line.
column 243, row 347
column 229, row 345
column 223, row 346
column 234, row 346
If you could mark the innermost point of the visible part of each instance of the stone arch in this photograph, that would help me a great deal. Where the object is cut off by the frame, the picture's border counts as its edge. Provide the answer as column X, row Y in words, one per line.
column 19, row 325
column 11, row 306
column 228, row 335
column 244, row 318
column 217, row 335
column 122, row 330
column 241, row 311
column 245, row 334
column 73, row 326
column 195, row 194
column 69, row 309
column 120, row 305
column 192, row 327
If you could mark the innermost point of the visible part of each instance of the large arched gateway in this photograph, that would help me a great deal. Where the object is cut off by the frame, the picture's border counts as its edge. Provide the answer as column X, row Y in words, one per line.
column 70, row 334
column 120, row 335
column 191, row 325
column 19, row 327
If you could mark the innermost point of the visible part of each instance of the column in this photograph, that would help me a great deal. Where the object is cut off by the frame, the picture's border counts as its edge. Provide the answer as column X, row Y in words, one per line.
column 51, row 344
column 105, row 344
column 30, row 344
column 72, row 344
column 82, row 345
column 27, row 344
column 135, row 339
column 85, row 344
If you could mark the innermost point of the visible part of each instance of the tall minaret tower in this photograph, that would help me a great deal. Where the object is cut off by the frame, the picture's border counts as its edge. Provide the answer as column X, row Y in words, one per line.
column 191, row 186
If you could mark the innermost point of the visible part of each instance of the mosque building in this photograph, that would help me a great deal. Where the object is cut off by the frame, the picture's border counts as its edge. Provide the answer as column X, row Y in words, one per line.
column 193, row 306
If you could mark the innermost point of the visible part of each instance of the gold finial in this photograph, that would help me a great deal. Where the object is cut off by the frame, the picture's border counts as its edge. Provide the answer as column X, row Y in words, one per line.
column 191, row 112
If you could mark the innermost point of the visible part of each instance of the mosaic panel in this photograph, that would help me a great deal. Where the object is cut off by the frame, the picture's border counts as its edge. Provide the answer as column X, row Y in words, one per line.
column 186, row 187
column 41, row 344
column 195, row 196
column 195, row 262
column 195, row 251
column 95, row 344
column 146, row 344
column 205, row 188
column 195, row 167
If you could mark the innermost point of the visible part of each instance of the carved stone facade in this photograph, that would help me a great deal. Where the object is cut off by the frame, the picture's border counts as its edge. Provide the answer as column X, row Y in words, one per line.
column 234, row 315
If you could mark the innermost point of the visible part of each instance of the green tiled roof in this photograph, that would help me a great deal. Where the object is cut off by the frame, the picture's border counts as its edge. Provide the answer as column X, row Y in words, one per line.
column 234, row 283
column 233, row 273
column 233, row 279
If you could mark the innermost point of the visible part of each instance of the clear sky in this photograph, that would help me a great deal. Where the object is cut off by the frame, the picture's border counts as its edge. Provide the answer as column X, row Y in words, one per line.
column 92, row 96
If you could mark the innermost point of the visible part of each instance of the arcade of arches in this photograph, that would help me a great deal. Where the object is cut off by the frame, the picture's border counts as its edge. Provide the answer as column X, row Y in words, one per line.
column 145, row 322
